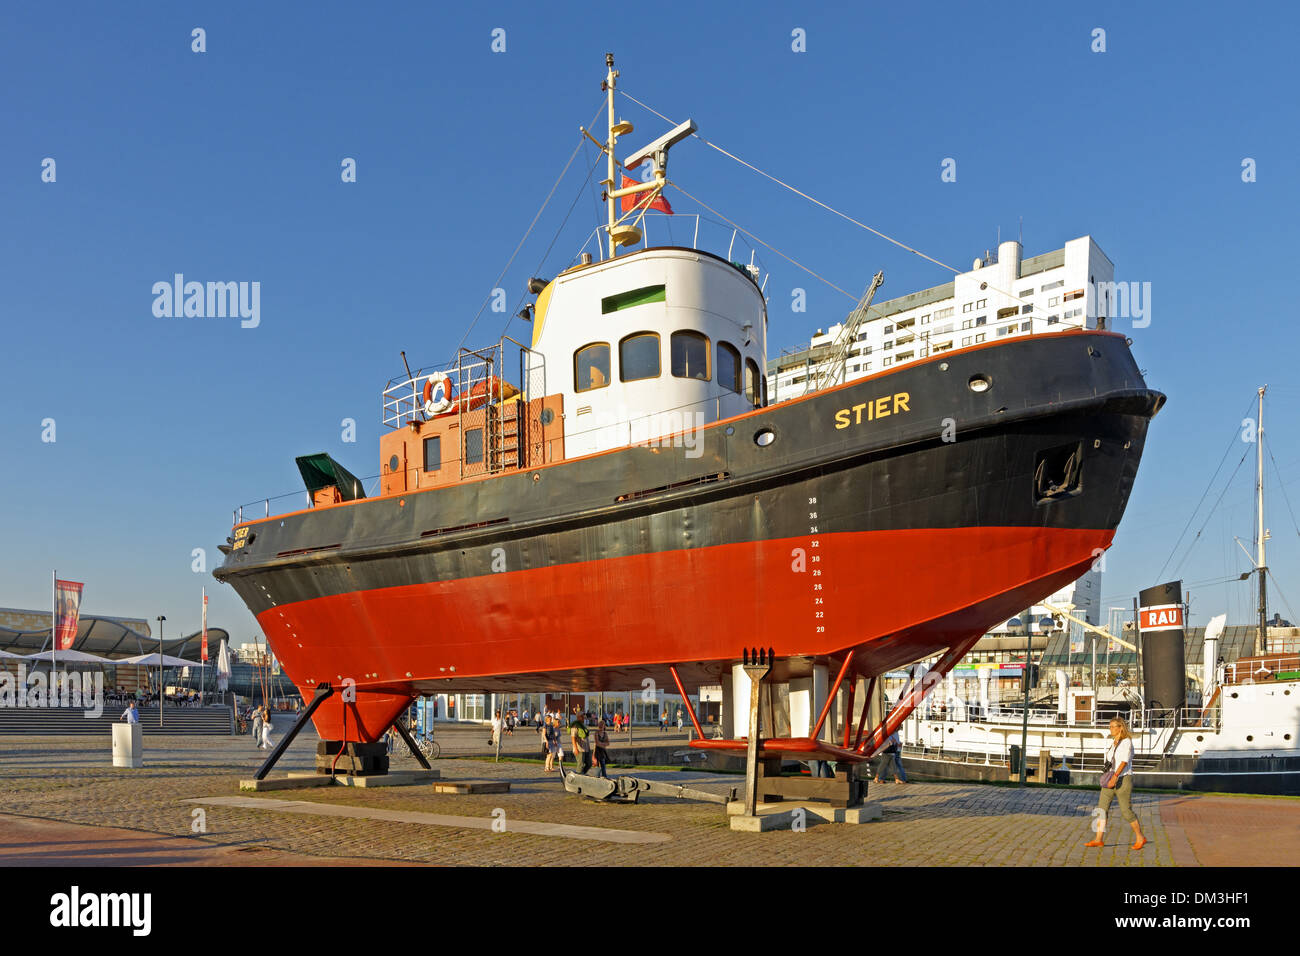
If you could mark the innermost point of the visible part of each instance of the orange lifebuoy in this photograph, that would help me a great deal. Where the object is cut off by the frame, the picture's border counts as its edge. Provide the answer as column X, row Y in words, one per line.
column 442, row 385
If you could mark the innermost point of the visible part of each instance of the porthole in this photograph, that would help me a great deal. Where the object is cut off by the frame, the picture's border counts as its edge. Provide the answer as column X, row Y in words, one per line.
column 980, row 383
column 1286, row 736
column 730, row 430
column 536, row 476
column 393, row 463
column 1249, row 738
column 764, row 437
column 943, row 366
column 1234, row 695
column 547, row 416
column 1199, row 738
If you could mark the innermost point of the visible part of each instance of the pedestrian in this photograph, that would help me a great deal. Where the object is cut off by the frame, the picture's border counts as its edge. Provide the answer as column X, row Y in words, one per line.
column 257, row 728
column 581, row 741
column 131, row 715
column 549, row 742
column 1117, row 781
column 600, row 746
column 679, row 720
column 663, row 722
column 496, row 731
column 266, row 730
column 893, row 755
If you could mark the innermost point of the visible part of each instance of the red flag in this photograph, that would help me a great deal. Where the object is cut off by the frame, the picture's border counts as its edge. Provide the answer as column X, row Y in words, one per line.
column 205, row 628
column 638, row 199
column 67, row 613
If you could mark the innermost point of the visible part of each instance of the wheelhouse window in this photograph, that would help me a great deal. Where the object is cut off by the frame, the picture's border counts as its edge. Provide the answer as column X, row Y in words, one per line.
column 638, row 357
column 751, row 382
column 591, row 367
column 729, row 367
column 690, row 355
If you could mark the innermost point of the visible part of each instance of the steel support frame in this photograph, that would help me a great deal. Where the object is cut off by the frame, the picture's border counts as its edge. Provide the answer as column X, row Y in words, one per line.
column 323, row 692
column 830, row 695
column 915, row 694
column 410, row 743
column 695, row 721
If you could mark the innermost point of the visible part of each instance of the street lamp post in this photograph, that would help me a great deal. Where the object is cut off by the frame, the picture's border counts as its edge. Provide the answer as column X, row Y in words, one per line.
column 161, row 619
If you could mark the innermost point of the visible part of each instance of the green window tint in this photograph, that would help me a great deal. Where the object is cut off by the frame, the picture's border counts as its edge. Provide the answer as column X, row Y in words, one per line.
column 626, row 300
column 638, row 357
column 690, row 355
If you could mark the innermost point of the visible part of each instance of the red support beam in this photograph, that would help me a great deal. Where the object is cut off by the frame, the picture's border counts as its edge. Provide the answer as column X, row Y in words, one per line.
column 866, row 710
column 915, row 694
column 830, row 695
column 672, row 669
column 848, row 716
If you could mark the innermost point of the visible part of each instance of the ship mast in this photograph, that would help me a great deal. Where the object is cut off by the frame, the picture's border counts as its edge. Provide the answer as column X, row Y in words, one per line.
column 611, row 162
column 1261, row 533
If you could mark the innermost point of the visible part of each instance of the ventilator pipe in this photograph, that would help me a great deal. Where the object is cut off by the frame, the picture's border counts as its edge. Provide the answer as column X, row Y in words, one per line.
column 1209, row 667
column 1062, row 691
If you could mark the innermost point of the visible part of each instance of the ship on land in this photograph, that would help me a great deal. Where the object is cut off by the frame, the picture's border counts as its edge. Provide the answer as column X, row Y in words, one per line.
column 615, row 502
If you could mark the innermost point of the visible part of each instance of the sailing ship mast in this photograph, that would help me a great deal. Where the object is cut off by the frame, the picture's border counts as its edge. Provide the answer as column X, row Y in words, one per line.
column 1261, row 533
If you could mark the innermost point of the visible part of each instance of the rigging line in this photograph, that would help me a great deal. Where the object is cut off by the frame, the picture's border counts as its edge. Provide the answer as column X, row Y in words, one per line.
column 1192, row 516
column 1285, row 497
column 573, row 205
column 1278, row 588
column 845, row 216
column 527, row 233
column 760, row 241
column 877, row 232
column 1197, row 537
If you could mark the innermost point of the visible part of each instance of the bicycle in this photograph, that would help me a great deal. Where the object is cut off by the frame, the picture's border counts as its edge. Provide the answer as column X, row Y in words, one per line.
column 428, row 746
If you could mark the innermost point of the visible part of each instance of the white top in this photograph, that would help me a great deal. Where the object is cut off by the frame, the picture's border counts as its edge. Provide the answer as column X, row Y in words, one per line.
column 1121, row 754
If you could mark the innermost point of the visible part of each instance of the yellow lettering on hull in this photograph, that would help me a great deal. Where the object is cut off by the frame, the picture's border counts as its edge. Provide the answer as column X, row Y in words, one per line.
column 877, row 408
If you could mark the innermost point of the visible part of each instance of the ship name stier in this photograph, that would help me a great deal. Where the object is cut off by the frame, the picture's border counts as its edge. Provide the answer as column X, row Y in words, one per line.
column 881, row 407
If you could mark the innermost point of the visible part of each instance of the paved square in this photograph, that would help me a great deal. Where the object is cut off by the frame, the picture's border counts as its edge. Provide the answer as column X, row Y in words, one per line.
column 186, row 799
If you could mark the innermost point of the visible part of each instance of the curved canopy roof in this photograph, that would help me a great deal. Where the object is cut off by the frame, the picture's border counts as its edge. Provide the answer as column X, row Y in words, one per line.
column 114, row 638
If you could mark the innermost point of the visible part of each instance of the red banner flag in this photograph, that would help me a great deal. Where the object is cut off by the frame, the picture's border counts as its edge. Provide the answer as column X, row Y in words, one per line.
column 67, row 612
column 638, row 199
column 205, row 628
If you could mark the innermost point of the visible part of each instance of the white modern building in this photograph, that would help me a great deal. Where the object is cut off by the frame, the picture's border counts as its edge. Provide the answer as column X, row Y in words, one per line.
column 1000, row 296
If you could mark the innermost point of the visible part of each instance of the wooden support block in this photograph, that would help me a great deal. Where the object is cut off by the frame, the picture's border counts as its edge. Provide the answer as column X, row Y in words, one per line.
column 471, row 786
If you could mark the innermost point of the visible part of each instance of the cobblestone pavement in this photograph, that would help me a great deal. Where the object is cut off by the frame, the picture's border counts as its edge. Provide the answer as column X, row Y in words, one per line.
column 945, row 824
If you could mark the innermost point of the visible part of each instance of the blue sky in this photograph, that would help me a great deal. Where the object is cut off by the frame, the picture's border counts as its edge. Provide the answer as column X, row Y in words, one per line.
column 225, row 165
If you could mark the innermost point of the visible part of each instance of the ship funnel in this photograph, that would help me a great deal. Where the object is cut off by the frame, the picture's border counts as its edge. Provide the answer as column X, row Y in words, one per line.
column 1160, row 626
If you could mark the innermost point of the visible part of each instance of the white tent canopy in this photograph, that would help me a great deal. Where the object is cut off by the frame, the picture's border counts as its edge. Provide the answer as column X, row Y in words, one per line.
column 64, row 657
column 152, row 660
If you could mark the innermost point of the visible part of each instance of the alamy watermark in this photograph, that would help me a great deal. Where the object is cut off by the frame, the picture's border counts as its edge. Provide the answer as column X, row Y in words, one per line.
column 75, row 690
column 211, row 300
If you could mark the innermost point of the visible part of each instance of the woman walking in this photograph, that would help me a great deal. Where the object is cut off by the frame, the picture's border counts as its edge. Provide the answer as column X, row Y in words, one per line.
column 1117, row 781
column 600, row 745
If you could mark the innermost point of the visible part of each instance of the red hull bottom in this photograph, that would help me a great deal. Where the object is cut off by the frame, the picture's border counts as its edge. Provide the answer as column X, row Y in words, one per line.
column 897, row 596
